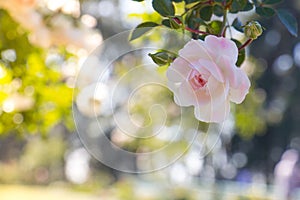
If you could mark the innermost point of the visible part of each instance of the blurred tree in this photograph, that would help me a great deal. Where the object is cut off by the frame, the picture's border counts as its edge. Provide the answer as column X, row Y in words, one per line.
column 278, row 55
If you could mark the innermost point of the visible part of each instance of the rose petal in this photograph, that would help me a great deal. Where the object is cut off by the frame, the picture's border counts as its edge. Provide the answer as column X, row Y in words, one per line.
column 212, row 113
column 217, row 107
column 217, row 91
column 185, row 95
column 194, row 50
column 228, row 69
column 223, row 82
column 178, row 70
column 218, row 46
column 211, row 67
column 238, row 94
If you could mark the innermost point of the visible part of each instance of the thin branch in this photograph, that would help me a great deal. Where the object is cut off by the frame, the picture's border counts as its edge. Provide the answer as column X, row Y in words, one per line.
column 223, row 26
column 190, row 29
column 245, row 44
column 196, row 31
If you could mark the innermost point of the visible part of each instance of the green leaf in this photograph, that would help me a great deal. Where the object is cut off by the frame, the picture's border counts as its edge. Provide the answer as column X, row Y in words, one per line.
column 206, row 13
column 164, row 7
column 191, row 5
column 166, row 22
column 218, row 10
column 271, row 1
column 248, row 7
column 289, row 21
column 241, row 55
column 238, row 5
column 222, row 1
column 237, row 24
column 265, row 11
column 174, row 25
column 142, row 29
column 189, row 19
column 190, row 1
column 241, row 58
column 170, row 23
column 177, row 1
column 162, row 58
column 199, row 21
column 215, row 27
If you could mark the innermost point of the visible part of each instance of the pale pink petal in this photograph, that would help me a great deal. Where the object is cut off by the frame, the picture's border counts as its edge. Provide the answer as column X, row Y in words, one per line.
column 217, row 107
column 202, row 97
column 229, row 71
column 218, row 46
column 216, row 82
column 185, row 95
column 217, row 91
column 173, row 86
column 178, row 70
column 213, row 113
column 211, row 67
column 238, row 94
column 194, row 50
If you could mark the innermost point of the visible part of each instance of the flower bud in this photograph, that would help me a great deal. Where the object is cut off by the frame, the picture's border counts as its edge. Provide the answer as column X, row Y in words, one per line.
column 253, row 29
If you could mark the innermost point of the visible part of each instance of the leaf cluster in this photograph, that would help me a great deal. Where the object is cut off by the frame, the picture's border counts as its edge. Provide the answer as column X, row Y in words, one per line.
column 197, row 19
column 199, row 13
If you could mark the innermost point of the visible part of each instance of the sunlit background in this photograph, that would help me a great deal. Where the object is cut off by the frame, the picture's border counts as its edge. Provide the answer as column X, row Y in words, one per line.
column 43, row 46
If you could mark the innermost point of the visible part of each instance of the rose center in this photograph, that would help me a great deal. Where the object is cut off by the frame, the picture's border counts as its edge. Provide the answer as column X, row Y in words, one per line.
column 196, row 80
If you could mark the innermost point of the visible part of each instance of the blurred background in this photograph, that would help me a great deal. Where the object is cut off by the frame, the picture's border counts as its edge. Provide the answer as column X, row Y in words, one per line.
column 43, row 45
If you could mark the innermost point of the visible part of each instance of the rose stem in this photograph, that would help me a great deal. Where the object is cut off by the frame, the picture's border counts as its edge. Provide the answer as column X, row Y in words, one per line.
column 190, row 29
column 223, row 26
column 245, row 44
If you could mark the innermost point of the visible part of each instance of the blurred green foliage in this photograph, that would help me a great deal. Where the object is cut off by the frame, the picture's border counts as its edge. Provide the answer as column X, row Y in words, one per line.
column 42, row 97
column 41, row 162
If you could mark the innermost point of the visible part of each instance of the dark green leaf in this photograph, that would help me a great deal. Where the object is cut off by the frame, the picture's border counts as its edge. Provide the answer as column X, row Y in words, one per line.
column 189, row 19
column 206, row 13
column 164, row 7
column 248, row 7
column 192, row 5
column 271, row 1
column 199, row 21
column 238, row 5
column 237, row 24
column 215, row 27
column 174, row 24
column 162, row 58
column 265, row 11
column 218, row 10
column 241, row 55
column 289, row 21
column 170, row 23
column 177, row 1
column 190, row 1
column 221, row 1
column 166, row 22
column 142, row 29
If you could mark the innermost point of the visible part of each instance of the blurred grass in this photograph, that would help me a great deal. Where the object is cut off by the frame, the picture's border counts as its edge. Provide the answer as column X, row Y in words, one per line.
column 17, row 192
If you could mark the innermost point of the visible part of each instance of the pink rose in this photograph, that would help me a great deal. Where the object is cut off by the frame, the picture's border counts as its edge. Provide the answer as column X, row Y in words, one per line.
column 205, row 76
